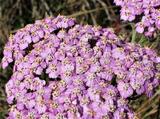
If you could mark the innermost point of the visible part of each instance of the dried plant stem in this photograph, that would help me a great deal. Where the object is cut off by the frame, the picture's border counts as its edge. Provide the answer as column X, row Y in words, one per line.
column 89, row 11
column 143, row 107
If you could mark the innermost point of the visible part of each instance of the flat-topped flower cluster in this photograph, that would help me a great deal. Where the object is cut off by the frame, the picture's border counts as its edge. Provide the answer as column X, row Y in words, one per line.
column 63, row 70
column 147, row 10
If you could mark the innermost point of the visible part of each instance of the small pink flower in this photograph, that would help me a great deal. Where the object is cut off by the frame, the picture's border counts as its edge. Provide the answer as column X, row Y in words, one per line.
column 140, row 28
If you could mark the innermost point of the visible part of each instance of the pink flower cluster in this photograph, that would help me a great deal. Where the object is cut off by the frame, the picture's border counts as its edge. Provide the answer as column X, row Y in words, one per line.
column 147, row 10
column 63, row 70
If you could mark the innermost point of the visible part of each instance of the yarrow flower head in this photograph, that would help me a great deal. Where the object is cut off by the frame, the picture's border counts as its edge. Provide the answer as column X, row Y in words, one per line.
column 66, row 70
column 147, row 10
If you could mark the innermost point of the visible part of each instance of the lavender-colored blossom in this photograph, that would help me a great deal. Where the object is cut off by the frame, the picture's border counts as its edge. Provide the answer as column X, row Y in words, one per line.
column 125, row 89
column 149, row 11
column 66, row 70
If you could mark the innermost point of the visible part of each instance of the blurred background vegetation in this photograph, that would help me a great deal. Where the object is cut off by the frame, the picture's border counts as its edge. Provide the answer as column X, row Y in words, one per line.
column 15, row 14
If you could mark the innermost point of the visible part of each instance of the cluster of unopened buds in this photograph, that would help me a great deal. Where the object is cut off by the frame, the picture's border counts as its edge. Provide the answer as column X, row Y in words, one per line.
column 148, row 11
column 63, row 70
